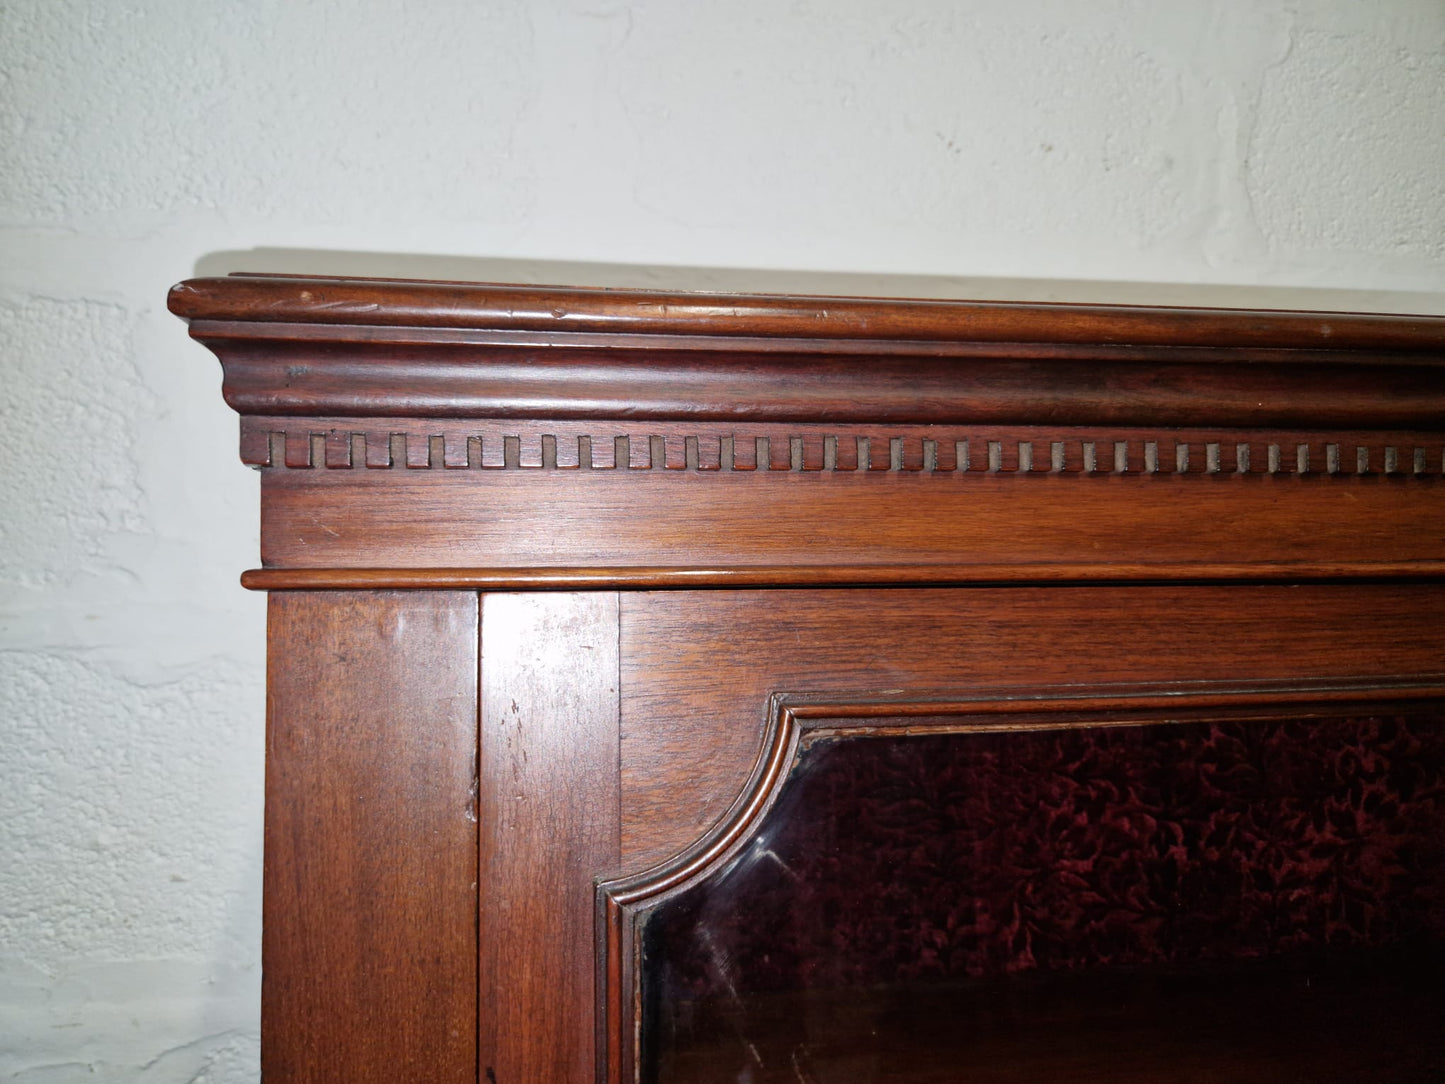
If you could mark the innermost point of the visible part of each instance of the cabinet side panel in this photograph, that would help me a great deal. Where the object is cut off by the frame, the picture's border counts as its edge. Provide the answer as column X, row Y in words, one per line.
column 549, row 826
column 369, row 940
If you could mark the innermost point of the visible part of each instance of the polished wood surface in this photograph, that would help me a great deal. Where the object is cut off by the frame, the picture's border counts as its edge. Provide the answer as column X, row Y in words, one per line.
column 371, row 838
column 366, row 348
column 626, row 520
column 549, row 824
column 682, row 508
column 418, row 303
column 692, row 577
column 694, row 712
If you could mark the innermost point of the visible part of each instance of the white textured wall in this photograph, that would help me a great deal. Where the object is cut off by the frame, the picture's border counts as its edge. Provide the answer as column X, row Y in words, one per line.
column 1213, row 150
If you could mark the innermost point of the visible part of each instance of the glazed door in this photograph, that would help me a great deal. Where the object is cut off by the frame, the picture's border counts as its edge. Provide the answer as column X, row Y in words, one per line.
column 996, row 890
column 1044, row 834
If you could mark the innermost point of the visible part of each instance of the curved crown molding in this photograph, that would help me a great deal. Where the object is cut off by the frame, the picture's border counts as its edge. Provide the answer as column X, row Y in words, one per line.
column 373, row 348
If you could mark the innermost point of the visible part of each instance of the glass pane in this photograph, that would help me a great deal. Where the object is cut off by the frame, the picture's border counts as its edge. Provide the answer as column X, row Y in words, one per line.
column 1237, row 900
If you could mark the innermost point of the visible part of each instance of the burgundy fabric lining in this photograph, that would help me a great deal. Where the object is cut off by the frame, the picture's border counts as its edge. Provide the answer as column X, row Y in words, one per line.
column 899, row 859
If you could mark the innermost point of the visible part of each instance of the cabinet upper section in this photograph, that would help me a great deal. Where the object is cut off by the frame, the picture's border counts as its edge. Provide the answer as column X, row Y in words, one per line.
column 425, row 434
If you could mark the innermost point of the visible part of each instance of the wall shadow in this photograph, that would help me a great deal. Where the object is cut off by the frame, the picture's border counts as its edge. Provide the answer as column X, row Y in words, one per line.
column 393, row 265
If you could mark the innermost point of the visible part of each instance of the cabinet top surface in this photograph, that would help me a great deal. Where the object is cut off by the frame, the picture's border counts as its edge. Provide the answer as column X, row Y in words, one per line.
column 384, row 303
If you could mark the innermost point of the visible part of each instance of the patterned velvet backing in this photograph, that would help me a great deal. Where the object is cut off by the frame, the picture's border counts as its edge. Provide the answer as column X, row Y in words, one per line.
column 895, row 862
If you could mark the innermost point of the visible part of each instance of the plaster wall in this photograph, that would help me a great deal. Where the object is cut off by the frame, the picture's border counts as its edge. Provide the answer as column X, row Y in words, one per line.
column 1271, row 152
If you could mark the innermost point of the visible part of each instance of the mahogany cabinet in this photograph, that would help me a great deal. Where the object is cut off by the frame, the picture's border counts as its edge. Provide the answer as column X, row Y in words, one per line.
column 681, row 687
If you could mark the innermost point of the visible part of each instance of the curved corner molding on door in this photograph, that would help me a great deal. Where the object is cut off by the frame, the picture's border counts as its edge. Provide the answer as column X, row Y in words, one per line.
column 793, row 722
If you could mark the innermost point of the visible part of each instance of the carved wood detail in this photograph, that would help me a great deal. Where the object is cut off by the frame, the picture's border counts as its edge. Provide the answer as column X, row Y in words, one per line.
column 295, row 444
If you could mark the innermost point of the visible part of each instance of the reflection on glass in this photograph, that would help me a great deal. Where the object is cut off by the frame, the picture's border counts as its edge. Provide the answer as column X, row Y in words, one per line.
column 1238, row 900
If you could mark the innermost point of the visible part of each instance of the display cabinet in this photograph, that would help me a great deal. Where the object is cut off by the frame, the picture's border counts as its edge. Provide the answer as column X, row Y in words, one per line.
column 683, row 688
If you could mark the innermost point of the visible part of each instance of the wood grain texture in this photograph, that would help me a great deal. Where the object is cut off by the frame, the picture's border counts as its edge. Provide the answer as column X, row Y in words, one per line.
column 691, row 578
column 693, row 716
column 369, row 935
column 460, row 437
column 888, row 385
column 419, row 519
column 414, row 303
column 549, row 816
column 606, row 444
column 314, row 347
